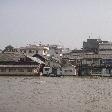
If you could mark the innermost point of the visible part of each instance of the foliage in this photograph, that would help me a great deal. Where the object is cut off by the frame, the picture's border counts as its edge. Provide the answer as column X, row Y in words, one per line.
column 8, row 48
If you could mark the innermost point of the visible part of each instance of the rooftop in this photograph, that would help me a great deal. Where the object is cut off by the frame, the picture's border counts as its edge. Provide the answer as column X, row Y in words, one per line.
column 10, row 56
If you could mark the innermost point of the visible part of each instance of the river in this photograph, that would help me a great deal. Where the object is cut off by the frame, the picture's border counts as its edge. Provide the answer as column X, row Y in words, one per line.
column 55, row 94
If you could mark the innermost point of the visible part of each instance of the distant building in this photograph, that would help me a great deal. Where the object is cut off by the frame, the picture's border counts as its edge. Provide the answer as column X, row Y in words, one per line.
column 34, row 49
column 66, row 50
column 91, row 45
column 74, row 56
column 17, row 64
column 96, row 64
column 53, row 62
column 55, row 51
column 97, row 46
column 105, row 47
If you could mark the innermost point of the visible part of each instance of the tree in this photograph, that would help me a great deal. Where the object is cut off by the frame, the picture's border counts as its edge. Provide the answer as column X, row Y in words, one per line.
column 8, row 48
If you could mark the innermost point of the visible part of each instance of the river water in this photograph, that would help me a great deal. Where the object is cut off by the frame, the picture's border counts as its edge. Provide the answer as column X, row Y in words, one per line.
column 55, row 94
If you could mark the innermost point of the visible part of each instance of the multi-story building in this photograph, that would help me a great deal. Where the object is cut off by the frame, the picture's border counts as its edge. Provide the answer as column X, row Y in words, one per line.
column 105, row 47
column 29, row 50
column 91, row 45
column 72, row 57
column 98, row 46
column 96, row 64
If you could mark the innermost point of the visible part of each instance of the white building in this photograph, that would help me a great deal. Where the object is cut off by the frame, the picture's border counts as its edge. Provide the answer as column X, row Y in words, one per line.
column 34, row 49
column 55, row 51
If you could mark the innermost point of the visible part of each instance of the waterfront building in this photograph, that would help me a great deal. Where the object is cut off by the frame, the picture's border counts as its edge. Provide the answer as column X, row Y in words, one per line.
column 97, row 64
column 74, row 56
column 17, row 64
column 91, row 45
column 105, row 47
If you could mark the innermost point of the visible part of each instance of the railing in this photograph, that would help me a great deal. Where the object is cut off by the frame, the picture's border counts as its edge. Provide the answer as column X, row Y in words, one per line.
column 18, row 65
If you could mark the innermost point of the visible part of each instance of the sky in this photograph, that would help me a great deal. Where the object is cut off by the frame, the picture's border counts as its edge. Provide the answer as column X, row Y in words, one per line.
column 64, row 22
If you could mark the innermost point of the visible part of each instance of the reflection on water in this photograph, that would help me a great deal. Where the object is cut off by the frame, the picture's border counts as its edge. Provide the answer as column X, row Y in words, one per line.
column 55, row 94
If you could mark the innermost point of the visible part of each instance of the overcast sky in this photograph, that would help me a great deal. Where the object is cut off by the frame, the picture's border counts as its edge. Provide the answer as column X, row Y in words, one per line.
column 65, row 22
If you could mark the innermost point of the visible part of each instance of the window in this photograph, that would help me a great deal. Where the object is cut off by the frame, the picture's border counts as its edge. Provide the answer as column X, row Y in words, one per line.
column 30, row 51
column 29, row 70
column 68, row 70
column 20, row 70
column 24, row 51
column 36, row 51
column 89, row 59
column 46, row 69
column 3, row 69
column 12, row 69
column 44, row 51
column 96, row 71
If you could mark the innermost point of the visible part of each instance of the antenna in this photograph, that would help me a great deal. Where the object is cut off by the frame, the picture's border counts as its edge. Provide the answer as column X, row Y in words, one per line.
column 61, row 44
column 40, row 43
column 91, row 35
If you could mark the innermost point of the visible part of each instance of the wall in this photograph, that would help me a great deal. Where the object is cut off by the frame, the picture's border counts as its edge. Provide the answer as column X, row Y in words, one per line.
column 17, row 70
column 69, row 70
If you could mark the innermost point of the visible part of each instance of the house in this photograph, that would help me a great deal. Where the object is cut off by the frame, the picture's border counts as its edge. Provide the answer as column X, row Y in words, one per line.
column 34, row 49
column 17, row 64
column 55, row 51
column 97, row 64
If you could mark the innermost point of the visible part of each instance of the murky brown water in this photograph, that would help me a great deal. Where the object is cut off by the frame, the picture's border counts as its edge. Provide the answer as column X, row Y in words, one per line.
column 49, row 94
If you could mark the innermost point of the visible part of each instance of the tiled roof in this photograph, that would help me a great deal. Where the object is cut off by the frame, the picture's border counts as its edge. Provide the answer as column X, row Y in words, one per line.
column 10, row 57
